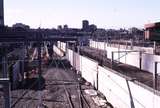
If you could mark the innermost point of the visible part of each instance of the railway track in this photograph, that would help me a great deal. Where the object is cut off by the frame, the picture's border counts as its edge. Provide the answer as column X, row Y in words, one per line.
column 70, row 93
column 82, row 103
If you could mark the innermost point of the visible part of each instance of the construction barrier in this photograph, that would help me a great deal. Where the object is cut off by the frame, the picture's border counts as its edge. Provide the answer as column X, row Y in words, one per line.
column 130, row 57
column 121, row 91
column 58, row 51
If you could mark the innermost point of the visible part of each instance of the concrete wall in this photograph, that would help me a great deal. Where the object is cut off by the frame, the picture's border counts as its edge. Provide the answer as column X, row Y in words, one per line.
column 86, row 66
column 132, row 58
column 114, row 88
column 148, row 62
column 61, row 45
column 96, row 44
column 58, row 51
column 118, row 89
column 89, row 70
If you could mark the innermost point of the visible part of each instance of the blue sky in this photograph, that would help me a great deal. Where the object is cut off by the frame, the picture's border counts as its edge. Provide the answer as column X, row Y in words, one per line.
column 103, row 13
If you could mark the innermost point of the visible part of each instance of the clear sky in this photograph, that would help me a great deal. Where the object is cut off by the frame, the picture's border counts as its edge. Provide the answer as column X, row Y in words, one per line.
column 103, row 13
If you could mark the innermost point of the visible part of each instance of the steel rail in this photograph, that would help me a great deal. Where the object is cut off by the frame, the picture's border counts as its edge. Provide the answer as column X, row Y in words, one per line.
column 66, row 92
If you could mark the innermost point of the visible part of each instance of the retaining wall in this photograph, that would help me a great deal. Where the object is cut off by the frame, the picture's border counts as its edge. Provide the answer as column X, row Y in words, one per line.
column 86, row 66
column 116, row 90
column 119, row 90
column 131, row 58
column 58, row 51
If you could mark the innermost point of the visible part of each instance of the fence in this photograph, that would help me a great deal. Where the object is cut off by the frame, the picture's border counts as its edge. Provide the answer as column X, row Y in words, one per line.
column 131, row 58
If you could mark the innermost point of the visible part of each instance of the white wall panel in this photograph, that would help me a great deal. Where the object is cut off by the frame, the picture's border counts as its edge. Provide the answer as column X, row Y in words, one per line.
column 148, row 50
column 77, row 61
column 144, row 98
column 35, row 54
column 101, row 45
column 114, row 88
column 132, row 58
column 58, row 51
column 70, row 56
column 63, row 46
column 58, row 44
column 148, row 62
column 112, row 85
column 89, row 70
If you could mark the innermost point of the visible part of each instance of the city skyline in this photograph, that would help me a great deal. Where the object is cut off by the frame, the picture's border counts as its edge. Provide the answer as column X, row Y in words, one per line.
column 103, row 13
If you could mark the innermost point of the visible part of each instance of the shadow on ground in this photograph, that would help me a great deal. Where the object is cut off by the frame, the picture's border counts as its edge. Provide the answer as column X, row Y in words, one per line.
column 31, row 84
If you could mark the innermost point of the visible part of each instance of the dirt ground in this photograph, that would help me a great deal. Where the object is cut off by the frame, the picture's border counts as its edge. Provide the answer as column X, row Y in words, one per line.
column 53, row 95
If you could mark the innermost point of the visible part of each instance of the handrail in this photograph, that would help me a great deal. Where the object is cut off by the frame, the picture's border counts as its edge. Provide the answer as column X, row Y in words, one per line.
column 126, row 53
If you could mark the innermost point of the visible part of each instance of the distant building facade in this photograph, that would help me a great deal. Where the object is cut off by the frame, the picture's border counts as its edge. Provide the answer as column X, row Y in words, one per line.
column 85, row 25
column 1, row 13
column 65, row 27
column 152, row 31
column 20, row 25
column 92, row 27
column 59, row 27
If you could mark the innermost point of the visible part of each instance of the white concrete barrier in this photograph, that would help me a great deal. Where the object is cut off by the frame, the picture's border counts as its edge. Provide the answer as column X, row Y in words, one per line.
column 86, row 66
column 58, row 51
column 115, row 88
column 89, row 70
column 114, row 85
column 143, row 98
column 131, row 58
column 61, row 45
column 70, row 56
column 148, row 62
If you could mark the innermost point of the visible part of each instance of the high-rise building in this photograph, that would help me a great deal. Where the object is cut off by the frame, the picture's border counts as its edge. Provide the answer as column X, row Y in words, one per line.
column 85, row 25
column 1, row 13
